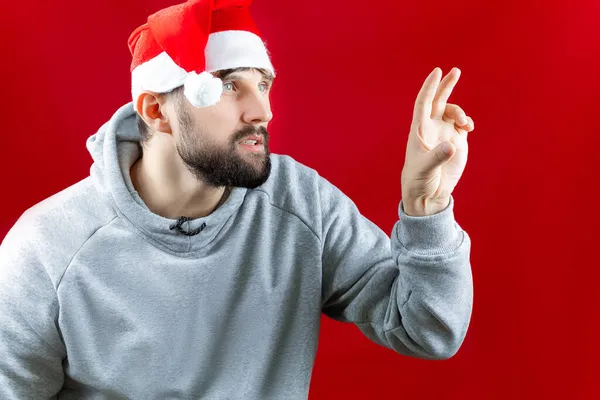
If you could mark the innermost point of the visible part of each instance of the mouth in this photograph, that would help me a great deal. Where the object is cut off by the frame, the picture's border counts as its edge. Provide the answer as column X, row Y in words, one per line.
column 253, row 140
column 252, row 144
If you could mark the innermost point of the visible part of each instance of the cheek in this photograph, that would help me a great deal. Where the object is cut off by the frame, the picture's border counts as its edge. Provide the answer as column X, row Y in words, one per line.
column 222, row 122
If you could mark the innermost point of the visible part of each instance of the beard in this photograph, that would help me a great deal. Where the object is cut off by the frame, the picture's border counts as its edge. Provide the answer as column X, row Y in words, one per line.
column 223, row 165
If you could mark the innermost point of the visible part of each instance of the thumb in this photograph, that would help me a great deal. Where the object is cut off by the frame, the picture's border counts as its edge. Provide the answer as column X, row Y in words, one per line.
column 439, row 155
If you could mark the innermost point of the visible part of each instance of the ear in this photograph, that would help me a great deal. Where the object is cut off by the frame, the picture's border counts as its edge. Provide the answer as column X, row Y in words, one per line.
column 153, row 110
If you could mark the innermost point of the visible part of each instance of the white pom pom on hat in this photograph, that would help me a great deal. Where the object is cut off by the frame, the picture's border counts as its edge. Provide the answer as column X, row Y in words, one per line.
column 203, row 89
column 185, row 43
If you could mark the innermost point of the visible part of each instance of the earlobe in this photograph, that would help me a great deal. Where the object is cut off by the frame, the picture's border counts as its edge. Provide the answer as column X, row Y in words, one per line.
column 152, row 111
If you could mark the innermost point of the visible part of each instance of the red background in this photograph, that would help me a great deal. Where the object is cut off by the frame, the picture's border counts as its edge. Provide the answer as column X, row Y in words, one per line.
column 348, row 75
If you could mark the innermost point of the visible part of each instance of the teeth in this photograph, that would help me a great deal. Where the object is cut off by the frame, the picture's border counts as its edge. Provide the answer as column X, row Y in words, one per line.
column 252, row 142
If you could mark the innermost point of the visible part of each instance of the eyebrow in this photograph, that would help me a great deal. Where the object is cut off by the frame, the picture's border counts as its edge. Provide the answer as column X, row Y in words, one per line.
column 236, row 77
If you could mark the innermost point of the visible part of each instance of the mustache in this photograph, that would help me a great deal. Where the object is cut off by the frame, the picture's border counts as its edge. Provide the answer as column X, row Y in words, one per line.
column 251, row 130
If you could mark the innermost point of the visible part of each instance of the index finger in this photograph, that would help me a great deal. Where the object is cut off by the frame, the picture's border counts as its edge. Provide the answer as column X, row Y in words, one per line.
column 423, row 104
column 444, row 91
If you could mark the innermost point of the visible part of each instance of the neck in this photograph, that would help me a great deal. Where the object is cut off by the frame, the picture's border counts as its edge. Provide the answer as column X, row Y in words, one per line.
column 170, row 190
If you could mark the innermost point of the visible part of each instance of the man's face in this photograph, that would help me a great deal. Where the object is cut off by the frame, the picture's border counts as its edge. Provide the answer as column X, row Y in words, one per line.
column 227, row 144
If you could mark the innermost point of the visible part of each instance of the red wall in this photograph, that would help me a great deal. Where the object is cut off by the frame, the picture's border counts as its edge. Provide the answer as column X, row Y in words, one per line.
column 349, row 72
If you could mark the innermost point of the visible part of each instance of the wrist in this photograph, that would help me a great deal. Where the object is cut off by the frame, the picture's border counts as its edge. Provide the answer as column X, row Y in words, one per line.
column 421, row 207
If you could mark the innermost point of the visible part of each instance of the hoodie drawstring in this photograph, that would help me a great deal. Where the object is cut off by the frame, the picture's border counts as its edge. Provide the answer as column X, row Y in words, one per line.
column 181, row 221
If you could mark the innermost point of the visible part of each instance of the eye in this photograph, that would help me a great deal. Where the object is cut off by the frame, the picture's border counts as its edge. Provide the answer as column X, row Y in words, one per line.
column 228, row 86
column 264, row 87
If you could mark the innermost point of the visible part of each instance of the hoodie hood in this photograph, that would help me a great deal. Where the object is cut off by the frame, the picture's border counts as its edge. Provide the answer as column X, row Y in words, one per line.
column 114, row 149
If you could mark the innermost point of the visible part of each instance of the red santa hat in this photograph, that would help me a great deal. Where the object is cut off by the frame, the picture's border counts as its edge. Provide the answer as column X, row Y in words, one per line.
column 183, row 44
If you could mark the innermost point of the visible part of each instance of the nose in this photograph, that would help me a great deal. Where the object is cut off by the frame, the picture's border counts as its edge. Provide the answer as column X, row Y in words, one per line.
column 257, row 108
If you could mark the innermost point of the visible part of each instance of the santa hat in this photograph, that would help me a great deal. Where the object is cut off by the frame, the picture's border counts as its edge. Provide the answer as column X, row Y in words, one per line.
column 183, row 44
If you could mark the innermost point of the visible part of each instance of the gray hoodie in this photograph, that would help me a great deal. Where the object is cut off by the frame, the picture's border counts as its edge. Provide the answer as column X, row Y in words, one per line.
column 100, row 299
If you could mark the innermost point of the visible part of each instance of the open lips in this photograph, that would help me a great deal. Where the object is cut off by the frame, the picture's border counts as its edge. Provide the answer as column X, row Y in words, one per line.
column 253, row 140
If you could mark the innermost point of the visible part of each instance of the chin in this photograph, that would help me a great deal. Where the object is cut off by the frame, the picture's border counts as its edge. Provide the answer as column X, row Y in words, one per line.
column 261, row 175
column 256, row 159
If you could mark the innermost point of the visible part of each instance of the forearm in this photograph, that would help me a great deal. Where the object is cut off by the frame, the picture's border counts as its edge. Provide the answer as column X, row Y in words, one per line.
column 414, row 294
column 435, row 291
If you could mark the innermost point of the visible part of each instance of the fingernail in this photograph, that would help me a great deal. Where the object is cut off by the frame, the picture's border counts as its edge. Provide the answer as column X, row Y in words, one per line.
column 447, row 148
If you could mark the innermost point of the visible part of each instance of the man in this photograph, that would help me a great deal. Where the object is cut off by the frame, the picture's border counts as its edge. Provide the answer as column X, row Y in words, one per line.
column 192, row 263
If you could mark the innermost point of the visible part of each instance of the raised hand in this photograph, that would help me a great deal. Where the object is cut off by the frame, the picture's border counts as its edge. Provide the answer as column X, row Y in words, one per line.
column 436, row 153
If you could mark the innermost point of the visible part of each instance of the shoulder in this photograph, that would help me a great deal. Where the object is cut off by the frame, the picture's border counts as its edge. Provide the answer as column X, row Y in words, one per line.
column 51, row 232
column 73, row 209
column 299, row 190
column 288, row 173
column 291, row 184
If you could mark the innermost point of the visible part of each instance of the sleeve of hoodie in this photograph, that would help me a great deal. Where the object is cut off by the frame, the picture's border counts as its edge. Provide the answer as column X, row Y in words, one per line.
column 31, row 350
column 412, row 292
